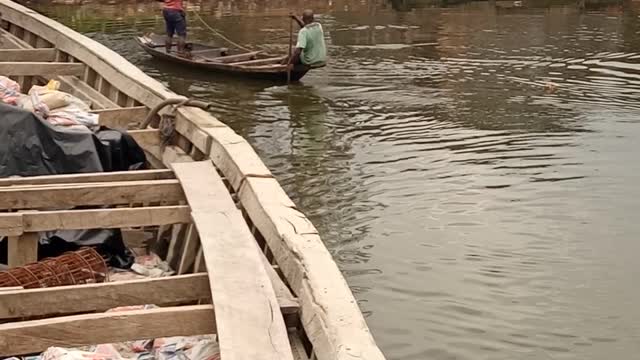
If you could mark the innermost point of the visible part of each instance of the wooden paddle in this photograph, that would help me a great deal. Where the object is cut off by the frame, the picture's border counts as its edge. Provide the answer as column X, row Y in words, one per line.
column 290, row 49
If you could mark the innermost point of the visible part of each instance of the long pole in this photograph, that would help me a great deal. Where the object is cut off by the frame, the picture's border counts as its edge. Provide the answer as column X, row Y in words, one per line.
column 290, row 50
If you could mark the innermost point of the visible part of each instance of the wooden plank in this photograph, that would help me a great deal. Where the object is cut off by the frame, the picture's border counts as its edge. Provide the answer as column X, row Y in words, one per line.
column 283, row 294
column 45, row 69
column 232, row 58
column 11, row 41
column 149, row 140
column 114, row 193
column 111, row 66
column 14, row 224
column 173, row 154
column 11, row 288
column 22, row 250
column 260, row 61
column 339, row 330
column 177, row 231
column 27, row 55
column 110, row 327
column 68, row 84
column 200, row 265
column 153, row 160
column 11, row 224
column 64, row 300
column 299, row 352
column 105, row 218
column 122, row 117
column 254, row 327
column 189, row 252
column 159, row 174
column 266, row 67
column 86, row 93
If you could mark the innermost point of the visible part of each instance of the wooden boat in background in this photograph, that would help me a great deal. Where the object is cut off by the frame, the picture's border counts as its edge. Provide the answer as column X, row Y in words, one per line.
column 254, row 64
column 250, row 266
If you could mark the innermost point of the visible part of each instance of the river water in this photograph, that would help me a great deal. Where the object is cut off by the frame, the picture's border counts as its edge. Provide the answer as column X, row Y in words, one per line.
column 471, row 168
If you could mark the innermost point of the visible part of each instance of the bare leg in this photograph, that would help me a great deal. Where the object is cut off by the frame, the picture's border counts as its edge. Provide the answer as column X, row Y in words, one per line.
column 181, row 43
column 167, row 43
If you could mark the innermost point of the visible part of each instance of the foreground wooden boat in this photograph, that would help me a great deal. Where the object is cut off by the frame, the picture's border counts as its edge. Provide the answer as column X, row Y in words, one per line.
column 251, row 267
column 254, row 64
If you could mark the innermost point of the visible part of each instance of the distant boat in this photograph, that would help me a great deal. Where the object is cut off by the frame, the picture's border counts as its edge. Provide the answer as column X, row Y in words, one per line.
column 253, row 64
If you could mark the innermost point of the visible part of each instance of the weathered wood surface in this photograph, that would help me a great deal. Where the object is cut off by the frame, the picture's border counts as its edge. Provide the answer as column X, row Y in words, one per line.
column 189, row 251
column 270, row 60
column 67, row 195
column 70, row 84
column 232, row 58
column 149, row 140
column 71, row 331
column 86, row 93
column 27, row 55
column 105, row 218
column 122, row 117
column 41, row 69
column 173, row 154
column 284, row 295
column 111, row 66
column 253, row 327
column 329, row 311
column 11, row 224
column 155, row 174
column 22, row 250
column 101, row 297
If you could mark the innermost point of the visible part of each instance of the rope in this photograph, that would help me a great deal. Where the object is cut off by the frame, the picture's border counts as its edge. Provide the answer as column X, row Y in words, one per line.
column 215, row 32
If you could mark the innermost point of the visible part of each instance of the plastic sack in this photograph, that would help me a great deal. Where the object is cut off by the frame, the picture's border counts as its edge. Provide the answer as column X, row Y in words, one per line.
column 53, row 97
column 101, row 352
column 26, row 102
column 57, row 99
column 203, row 347
column 63, row 109
column 9, row 91
column 71, row 115
column 38, row 106
column 59, row 108
column 151, row 266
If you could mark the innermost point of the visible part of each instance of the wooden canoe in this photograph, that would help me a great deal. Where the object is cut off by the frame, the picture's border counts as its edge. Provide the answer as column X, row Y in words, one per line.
column 251, row 268
column 253, row 64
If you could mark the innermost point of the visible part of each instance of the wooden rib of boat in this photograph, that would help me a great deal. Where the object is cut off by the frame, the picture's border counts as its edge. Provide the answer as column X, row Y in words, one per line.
column 251, row 268
column 254, row 64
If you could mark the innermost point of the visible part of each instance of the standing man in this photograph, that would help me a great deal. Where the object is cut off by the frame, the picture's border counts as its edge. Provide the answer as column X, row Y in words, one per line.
column 176, row 23
column 310, row 49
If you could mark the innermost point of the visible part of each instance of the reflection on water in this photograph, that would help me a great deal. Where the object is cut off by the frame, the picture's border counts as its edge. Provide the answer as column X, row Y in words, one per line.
column 471, row 168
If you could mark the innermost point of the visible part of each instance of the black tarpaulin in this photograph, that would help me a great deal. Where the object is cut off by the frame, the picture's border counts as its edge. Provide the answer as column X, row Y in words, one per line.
column 30, row 146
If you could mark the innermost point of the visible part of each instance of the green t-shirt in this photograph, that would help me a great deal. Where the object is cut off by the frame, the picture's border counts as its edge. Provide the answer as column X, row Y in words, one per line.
column 311, row 41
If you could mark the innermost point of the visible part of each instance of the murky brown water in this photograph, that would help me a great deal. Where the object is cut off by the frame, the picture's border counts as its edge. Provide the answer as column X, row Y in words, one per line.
column 477, row 212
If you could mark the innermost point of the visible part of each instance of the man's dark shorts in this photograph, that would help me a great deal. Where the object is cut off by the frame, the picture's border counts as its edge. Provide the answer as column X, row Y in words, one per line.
column 176, row 22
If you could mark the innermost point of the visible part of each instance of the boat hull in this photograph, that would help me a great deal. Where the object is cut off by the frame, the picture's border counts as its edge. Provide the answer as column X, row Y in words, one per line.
column 321, row 309
column 278, row 74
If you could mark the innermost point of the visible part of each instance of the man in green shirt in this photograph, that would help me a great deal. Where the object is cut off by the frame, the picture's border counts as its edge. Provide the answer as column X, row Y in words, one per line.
column 310, row 49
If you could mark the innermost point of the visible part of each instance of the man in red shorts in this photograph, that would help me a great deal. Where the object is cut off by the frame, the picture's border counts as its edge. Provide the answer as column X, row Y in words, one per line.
column 176, row 23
